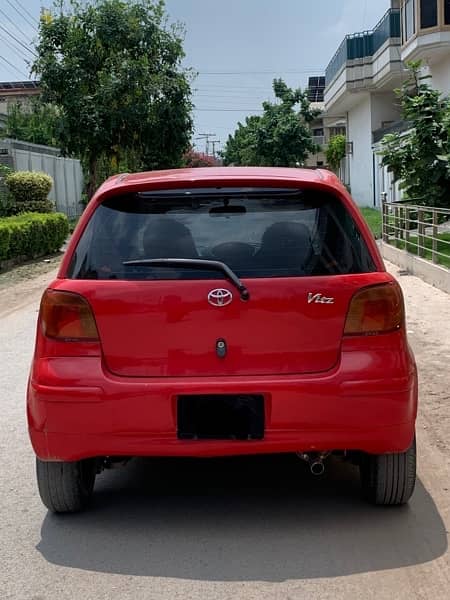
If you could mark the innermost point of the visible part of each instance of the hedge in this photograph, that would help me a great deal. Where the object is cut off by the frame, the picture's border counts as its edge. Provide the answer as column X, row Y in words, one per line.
column 40, row 206
column 29, row 186
column 29, row 235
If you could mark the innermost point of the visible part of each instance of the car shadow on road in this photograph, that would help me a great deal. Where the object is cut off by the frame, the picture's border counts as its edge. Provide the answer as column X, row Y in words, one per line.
column 240, row 519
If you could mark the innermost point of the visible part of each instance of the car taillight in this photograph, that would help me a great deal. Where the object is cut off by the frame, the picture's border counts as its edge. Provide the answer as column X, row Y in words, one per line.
column 377, row 309
column 67, row 316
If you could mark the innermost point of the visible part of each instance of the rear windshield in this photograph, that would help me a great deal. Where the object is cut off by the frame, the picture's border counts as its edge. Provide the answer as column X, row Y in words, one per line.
column 256, row 232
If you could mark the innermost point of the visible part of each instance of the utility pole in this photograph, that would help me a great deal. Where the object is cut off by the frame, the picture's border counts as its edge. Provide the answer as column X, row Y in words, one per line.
column 214, row 142
column 206, row 136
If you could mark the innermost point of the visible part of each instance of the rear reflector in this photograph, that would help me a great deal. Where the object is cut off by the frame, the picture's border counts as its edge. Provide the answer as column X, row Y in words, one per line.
column 67, row 316
column 374, row 310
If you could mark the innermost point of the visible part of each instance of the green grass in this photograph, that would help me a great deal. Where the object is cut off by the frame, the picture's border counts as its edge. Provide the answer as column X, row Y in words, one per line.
column 373, row 219
column 443, row 246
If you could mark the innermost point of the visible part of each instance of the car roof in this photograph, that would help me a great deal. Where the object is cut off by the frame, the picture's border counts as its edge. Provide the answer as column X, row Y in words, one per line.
column 229, row 175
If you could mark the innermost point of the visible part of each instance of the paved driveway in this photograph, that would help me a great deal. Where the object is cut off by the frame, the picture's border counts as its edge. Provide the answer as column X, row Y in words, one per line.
column 254, row 528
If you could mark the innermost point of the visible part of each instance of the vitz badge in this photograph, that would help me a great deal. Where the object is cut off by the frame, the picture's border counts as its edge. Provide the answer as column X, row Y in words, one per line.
column 319, row 299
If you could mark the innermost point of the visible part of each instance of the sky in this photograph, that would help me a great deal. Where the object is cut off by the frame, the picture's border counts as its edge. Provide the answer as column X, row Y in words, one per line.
column 237, row 47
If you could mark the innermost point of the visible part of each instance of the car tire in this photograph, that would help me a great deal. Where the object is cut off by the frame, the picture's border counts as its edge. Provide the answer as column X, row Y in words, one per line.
column 389, row 479
column 66, row 487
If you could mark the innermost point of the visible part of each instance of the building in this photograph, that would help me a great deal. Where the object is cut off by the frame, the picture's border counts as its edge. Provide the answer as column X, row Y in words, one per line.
column 359, row 96
column 360, row 82
column 315, row 89
column 426, row 37
column 15, row 92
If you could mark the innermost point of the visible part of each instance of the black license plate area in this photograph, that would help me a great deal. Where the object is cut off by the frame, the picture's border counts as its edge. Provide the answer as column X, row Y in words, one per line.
column 220, row 417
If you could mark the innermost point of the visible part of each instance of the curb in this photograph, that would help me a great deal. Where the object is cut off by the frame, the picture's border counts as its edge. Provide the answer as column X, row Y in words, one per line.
column 433, row 274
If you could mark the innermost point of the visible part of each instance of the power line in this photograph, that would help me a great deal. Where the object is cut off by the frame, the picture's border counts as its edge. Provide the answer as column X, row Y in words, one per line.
column 303, row 72
column 21, row 14
column 205, row 137
column 17, row 40
column 234, row 92
column 231, row 107
column 32, row 17
column 228, row 110
column 12, row 74
column 12, row 23
column 206, row 127
column 20, row 53
column 238, row 85
column 229, row 97
column 13, row 66
column 226, row 86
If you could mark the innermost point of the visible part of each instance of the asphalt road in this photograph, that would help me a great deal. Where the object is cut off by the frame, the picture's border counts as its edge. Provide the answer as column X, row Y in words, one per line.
column 253, row 528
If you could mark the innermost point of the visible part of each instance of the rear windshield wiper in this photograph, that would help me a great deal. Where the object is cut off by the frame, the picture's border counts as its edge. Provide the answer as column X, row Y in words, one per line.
column 193, row 263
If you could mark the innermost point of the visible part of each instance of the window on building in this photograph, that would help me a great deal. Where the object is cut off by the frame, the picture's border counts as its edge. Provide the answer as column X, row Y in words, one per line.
column 403, row 23
column 428, row 13
column 337, row 131
column 318, row 132
column 410, row 20
column 447, row 12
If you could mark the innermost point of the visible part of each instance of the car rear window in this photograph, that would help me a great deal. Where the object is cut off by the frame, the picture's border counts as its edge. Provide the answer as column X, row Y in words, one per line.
column 256, row 232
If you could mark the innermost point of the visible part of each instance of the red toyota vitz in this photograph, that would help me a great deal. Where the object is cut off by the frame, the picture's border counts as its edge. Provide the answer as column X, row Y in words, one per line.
column 216, row 312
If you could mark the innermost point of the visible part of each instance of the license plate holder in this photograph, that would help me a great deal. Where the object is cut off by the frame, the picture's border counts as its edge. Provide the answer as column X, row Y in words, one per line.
column 220, row 417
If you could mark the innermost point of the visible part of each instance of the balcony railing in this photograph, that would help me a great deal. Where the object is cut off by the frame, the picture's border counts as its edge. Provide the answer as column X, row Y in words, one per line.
column 364, row 44
column 396, row 127
column 420, row 230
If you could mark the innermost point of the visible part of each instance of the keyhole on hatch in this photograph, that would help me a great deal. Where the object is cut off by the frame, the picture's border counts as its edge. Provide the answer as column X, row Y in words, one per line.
column 221, row 348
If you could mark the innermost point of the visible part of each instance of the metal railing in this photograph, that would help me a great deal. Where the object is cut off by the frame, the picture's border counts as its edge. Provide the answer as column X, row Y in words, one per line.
column 364, row 44
column 420, row 230
column 395, row 127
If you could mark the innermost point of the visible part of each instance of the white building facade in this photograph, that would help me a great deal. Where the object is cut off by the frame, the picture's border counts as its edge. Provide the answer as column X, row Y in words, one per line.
column 360, row 80
column 362, row 76
column 426, row 37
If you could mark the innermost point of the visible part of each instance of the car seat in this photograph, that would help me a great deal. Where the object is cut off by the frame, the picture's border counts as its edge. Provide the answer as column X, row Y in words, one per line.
column 167, row 238
column 285, row 247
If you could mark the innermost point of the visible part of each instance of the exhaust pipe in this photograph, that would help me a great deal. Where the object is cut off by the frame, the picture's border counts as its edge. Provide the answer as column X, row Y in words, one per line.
column 317, row 467
column 315, row 461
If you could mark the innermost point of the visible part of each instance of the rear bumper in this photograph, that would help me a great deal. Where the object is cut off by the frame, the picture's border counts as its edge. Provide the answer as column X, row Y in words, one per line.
column 76, row 409
column 62, row 446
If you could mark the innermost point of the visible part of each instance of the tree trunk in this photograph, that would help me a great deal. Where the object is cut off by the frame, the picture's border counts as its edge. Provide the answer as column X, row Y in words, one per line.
column 92, row 177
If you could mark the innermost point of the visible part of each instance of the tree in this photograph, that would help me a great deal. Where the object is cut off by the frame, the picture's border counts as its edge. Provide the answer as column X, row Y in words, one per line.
column 420, row 157
column 113, row 69
column 241, row 148
column 37, row 122
column 335, row 151
column 280, row 137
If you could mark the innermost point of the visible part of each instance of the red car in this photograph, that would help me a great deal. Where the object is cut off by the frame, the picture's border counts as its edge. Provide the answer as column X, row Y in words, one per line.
column 217, row 312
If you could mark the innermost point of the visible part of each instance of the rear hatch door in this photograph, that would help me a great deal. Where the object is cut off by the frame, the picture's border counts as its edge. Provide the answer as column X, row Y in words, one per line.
column 298, row 253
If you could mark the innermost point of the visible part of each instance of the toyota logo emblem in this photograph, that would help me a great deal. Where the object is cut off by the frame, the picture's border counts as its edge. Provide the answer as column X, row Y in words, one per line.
column 220, row 297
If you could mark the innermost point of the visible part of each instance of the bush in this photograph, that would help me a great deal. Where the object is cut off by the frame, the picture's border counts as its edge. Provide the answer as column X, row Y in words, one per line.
column 29, row 186
column 419, row 158
column 335, row 151
column 38, row 206
column 198, row 159
column 7, row 206
column 31, row 234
